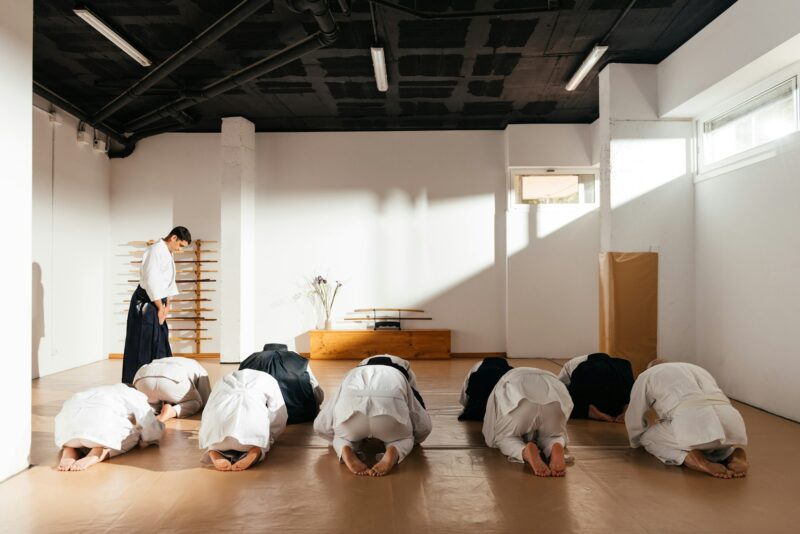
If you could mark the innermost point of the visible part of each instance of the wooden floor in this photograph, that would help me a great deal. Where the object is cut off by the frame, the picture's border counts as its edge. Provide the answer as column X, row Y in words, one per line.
column 452, row 484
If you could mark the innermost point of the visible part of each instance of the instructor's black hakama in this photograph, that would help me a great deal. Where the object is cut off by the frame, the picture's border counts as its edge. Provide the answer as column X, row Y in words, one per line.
column 145, row 339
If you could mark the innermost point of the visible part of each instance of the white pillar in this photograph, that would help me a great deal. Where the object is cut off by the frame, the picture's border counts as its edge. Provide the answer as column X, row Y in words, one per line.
column 236, row 258
column 16, row 130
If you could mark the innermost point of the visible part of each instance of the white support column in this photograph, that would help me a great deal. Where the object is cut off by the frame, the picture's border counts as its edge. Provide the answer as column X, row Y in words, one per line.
column 236, row 259
column 16, row 50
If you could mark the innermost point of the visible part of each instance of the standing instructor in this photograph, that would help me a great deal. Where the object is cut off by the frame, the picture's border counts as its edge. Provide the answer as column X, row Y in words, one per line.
column 147, row 335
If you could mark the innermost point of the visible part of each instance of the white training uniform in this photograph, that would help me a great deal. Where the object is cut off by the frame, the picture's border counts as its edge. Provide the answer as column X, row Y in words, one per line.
column 245, row 410
column 113, row 417
column 374, row 401
column 157, row 273
column 527, row 405
column 693, row 413
column 181, row 382
column 405, row 364
column 566, row 372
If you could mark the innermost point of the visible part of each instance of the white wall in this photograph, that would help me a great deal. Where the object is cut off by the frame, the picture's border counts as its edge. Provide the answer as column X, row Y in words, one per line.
column 403, row 219
column 16, row 41
column 70, row 246
column 552, row 250
column 169, row 180
column 650, row 198
column 748, row 297
column 746, row 43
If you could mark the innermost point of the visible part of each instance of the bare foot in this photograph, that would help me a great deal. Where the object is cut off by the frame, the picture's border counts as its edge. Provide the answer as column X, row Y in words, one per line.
column 167, row 413
column 249, row 459
column 353, row 463
column 531, row 455
column 558, row 466
column 597, row 415
column 220, row 462
column 95, row 456
column 737, row 463
column 696, row 461
column 386, row 464
column 68, row 457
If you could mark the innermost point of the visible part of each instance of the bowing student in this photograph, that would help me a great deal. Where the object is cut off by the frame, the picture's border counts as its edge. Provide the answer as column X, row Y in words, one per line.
column 600, row 386
column 103, row 422
column 147, row 333
column 244, row 416
column 697, row 426
column 375, row 400
column 175, row 386
column 526, row 418
column 478, row 385
column 299, row 386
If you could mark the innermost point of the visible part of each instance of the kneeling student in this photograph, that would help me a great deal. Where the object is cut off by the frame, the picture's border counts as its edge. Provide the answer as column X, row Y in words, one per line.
column 104, row 422
column 526, row 418
column 299, row 386
column 244, row 415
column 377, row 400
column 478, row 385
column 178, row 387
column 600, row 386
column 697, row 426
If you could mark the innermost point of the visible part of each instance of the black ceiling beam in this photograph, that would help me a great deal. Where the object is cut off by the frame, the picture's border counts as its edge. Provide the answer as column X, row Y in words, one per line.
column 206, row 38
column 467, row 14
column 328, row 33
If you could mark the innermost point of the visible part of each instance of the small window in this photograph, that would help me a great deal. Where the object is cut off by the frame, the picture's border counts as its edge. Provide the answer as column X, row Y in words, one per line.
column 762, row 119
column 555, row 188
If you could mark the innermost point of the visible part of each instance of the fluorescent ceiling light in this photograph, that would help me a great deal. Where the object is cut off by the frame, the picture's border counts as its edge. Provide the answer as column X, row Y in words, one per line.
column 596, row 53
column 111, row 35
column 379, row 64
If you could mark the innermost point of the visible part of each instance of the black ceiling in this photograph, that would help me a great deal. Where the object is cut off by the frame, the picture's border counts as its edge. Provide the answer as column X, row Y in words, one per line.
column 479, row 72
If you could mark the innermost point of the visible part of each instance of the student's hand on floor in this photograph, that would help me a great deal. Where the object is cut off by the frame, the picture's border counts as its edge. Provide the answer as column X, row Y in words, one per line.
column 162, row 315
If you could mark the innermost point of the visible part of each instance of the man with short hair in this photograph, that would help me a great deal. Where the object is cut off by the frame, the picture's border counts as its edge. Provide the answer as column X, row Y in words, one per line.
column 147, row 335
column 175, row 387
column 697, row 426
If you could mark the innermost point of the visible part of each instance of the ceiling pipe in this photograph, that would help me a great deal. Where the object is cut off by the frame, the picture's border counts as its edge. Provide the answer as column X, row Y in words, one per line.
column 207, row 37
column 467, row 14
column 328, row 33
column 77, row 112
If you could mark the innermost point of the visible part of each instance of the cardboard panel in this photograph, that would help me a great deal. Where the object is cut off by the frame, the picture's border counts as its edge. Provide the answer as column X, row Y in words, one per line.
column 629, row 306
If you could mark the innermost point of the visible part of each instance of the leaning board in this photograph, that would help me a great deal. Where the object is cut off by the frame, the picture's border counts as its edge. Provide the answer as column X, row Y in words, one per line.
column 360, row 344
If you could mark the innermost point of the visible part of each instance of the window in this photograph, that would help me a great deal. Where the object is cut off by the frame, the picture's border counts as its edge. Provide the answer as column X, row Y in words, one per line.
column 764, row 118
column 555, row 188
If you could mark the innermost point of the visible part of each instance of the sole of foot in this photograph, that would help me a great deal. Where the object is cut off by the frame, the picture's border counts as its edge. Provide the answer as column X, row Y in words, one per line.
column 697, row 462
column 533, row 457
column 558, row 465
column 386, row 464
column 353, row 463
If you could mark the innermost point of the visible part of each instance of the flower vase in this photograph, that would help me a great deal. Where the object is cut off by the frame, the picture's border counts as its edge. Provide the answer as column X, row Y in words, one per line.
column 328, row 324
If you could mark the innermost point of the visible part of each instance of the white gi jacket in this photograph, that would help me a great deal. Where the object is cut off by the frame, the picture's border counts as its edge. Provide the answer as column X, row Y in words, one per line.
column 177, row 370
column 107, row 415
column 405, row 364
column 684, row 395
column 566, row 372
column 374, row 390
column 157, row 273
column 246, row 405
column 541, row 388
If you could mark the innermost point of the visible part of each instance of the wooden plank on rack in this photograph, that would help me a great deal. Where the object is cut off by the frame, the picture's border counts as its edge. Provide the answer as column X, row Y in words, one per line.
column 388, row 309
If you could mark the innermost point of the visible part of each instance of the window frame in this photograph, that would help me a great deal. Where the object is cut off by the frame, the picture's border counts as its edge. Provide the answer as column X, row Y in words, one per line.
column 755, row 154
column 515, row 204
